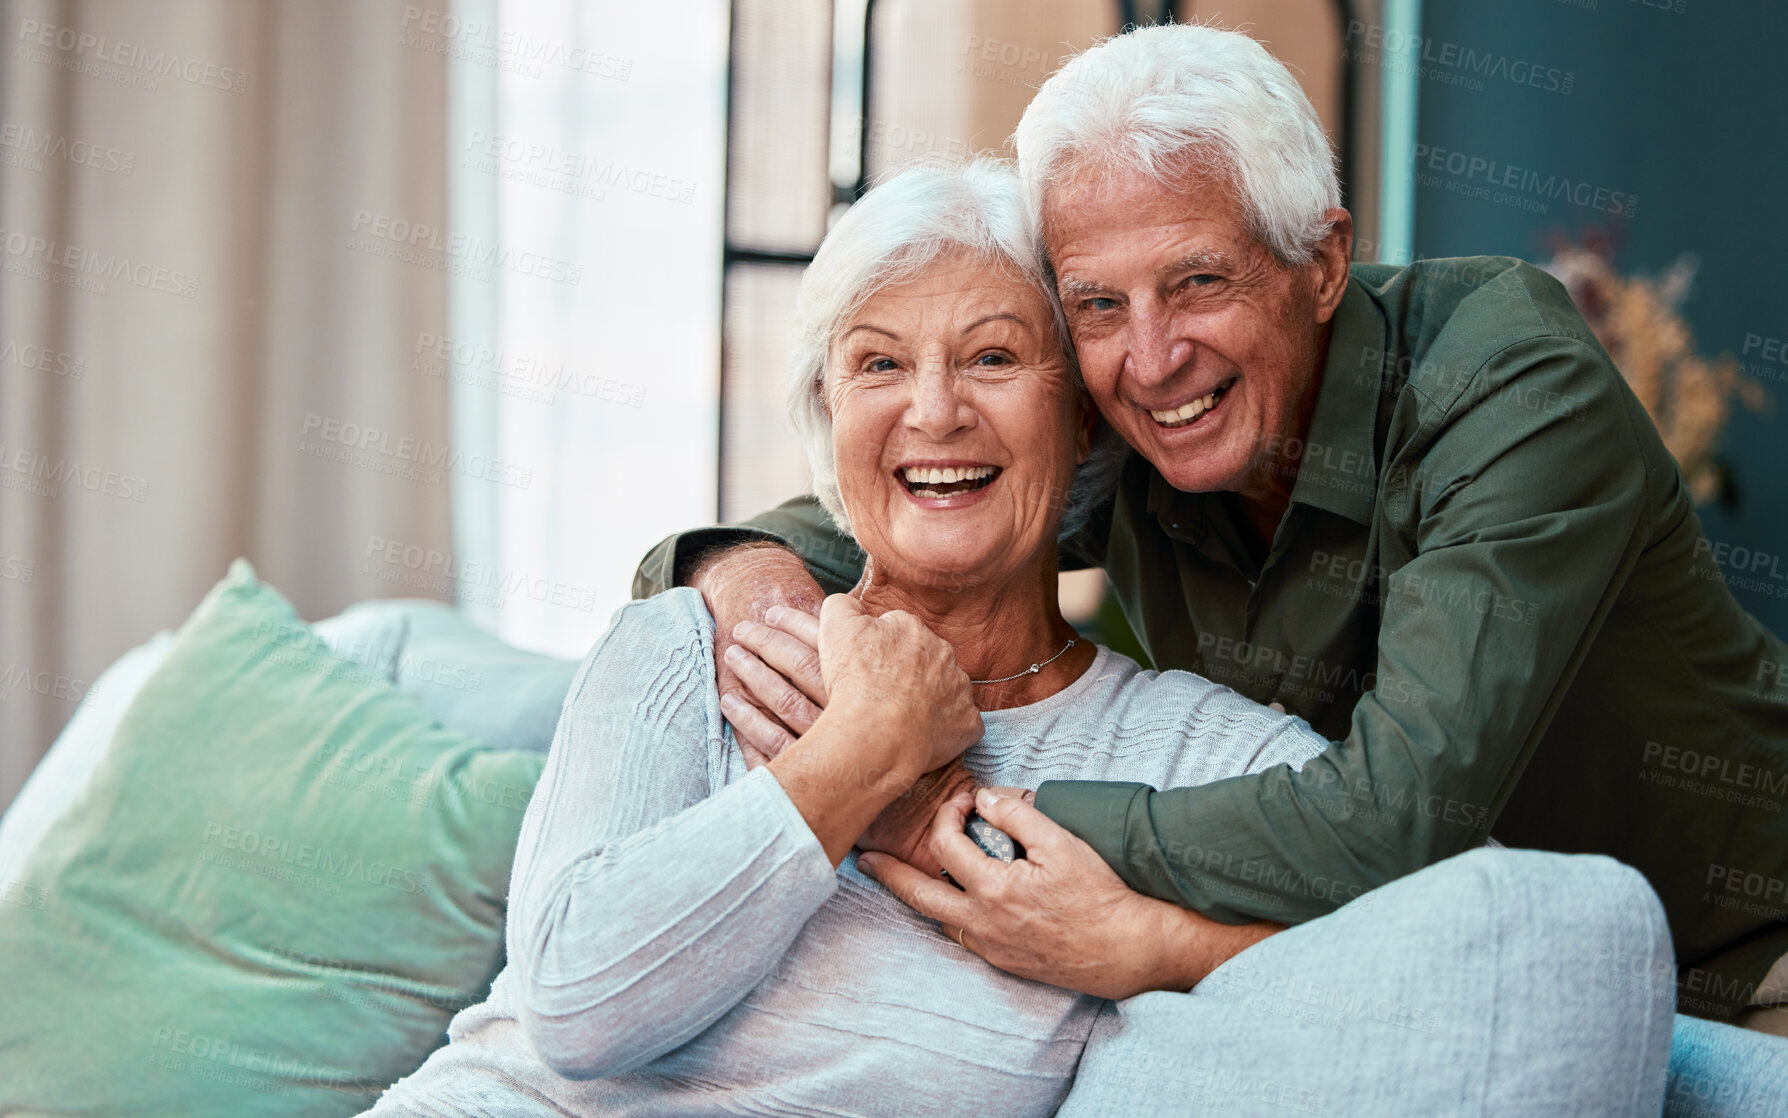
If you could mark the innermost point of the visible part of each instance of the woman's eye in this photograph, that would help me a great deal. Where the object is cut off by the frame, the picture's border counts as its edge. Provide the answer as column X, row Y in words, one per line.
column 992, row 360
column 880, row 365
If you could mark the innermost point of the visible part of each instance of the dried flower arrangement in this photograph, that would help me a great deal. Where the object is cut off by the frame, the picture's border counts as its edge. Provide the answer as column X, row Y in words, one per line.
column 1639, row 322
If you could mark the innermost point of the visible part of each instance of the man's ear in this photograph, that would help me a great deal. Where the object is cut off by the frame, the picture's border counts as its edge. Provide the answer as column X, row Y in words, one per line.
column 1333, row 254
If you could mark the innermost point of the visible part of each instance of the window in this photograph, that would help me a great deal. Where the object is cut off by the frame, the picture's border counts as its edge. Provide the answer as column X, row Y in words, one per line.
column 588, row 154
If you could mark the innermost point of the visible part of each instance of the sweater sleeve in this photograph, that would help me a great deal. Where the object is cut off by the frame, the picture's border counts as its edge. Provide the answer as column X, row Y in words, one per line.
column 648, row 898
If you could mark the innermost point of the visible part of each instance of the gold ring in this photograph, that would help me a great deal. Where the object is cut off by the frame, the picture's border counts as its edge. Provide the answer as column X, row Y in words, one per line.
column 960, row 932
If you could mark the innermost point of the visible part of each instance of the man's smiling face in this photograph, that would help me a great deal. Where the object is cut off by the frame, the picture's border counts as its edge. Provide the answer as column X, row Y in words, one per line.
column 1200, row 347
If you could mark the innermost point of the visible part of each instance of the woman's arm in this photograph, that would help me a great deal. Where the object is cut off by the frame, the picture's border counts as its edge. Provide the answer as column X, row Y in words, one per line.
column 630, row 863
column 645, row 904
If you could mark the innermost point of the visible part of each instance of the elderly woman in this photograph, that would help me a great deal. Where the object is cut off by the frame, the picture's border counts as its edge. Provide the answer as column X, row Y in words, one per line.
column 691, row 934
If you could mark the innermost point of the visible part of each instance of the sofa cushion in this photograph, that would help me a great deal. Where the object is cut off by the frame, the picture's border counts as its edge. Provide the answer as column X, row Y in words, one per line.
column 467, row 678
column 281, row 880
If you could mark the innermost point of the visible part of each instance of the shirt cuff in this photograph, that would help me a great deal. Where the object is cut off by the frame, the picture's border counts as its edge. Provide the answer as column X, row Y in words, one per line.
column 1098, row 813
column 658, row 572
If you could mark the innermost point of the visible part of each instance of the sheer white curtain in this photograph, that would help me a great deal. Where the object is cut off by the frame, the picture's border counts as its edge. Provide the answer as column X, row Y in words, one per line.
column 586, row 167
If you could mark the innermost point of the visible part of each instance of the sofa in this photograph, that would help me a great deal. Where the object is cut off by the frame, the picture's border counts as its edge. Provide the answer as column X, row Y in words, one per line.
column 266, row 861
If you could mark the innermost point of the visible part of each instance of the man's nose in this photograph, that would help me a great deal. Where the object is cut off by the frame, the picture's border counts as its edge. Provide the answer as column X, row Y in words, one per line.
column 938, row 408
column 1158, row 348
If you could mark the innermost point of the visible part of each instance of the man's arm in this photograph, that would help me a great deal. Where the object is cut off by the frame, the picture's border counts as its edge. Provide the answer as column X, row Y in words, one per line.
column 1527, row 532
column 801, row 525
column 792, row 557
column 1057, row 915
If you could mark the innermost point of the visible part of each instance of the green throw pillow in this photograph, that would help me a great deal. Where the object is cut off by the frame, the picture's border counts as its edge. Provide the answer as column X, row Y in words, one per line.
column 281, row 882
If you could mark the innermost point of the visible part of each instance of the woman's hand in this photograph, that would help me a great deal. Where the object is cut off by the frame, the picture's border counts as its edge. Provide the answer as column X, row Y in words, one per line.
column 1059, row 914
column 903, row 829
column 777, row 662
column 898, row 684
column 898, row 706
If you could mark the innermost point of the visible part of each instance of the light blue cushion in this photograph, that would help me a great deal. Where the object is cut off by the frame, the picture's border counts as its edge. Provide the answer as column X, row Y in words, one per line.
column 466, row 678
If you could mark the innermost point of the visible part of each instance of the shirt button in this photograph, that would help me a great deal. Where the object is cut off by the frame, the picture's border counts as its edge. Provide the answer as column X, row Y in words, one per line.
column 1277, row 705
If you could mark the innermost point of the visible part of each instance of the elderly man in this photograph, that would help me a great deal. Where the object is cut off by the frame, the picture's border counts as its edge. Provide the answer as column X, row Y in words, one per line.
column 1417, row 506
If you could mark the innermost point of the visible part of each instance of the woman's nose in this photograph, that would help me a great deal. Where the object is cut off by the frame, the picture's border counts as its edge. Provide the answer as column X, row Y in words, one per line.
column 938, row 408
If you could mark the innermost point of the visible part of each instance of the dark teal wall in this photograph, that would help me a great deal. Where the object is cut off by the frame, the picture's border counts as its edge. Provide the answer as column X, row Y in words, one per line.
column 1686, row 111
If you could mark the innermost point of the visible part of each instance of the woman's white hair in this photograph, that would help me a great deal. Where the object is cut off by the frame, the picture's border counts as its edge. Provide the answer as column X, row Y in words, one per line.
column 903, row 224
column 1178, row 100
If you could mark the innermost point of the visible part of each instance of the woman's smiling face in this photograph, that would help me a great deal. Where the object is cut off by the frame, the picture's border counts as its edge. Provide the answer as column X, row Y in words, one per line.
column 956, row 424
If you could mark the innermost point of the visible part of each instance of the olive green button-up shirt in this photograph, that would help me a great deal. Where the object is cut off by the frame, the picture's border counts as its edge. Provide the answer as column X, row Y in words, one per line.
column 1490, row 592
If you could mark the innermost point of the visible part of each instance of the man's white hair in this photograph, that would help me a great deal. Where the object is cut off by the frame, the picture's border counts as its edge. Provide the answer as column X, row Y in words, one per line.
column 898, row 228
column 1181, row 100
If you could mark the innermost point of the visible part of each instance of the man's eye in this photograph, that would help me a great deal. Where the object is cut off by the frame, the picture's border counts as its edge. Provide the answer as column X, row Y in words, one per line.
column 1201, row 279
column 1098, row 303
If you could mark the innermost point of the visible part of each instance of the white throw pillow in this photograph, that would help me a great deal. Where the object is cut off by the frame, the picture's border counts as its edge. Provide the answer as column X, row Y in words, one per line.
column 64, row 770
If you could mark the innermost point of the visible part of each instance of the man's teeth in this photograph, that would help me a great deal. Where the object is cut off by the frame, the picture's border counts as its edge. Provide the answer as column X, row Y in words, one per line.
column 1188, row 411
column 944, row 475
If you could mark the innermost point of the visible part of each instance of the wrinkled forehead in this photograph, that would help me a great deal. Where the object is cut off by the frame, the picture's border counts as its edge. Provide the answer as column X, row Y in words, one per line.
column 1096, row 198
column 954, row 292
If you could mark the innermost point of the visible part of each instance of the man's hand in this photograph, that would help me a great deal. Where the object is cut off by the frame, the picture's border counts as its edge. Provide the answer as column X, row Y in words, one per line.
column 777, row 661
column 742, row 584
column 1059, row 914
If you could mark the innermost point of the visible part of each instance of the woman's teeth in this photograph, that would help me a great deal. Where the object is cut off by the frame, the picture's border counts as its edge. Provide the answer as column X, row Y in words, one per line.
column 946, row 481
column 1187, row 412
column 946, row 474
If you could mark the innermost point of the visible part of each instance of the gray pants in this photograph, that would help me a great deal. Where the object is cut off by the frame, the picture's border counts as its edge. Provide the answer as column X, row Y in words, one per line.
column 1499, row 982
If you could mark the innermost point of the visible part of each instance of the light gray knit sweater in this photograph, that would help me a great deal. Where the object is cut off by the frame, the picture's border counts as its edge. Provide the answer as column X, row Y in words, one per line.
column 679, row 944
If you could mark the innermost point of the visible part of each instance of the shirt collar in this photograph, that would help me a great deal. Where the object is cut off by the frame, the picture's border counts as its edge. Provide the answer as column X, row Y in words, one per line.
column 1339, row 471
column 1181, row 514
